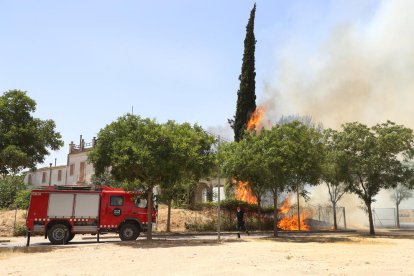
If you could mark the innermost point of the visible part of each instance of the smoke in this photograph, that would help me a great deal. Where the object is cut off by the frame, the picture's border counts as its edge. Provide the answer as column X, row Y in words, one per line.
column 356, row 218
column 225, row 131
column 361, row 73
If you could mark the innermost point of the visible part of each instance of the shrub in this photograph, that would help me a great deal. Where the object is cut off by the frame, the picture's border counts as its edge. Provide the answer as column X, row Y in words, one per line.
column 9, row 186
column 22, row 199
column 20, row 230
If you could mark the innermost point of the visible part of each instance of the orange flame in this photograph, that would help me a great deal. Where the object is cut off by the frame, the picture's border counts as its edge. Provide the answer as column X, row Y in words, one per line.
column 255, row 119
column 285, row 207
column 244, row 193
column 290, row 221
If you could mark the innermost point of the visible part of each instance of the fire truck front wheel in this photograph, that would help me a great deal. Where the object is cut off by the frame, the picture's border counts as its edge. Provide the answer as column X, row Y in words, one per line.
column 128, row 232
column 58, row 234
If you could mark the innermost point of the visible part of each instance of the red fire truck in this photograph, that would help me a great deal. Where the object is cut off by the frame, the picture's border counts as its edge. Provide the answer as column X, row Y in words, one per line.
column 61, row 212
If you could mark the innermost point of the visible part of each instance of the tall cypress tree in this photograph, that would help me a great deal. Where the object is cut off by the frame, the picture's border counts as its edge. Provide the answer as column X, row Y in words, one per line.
column 246, row 96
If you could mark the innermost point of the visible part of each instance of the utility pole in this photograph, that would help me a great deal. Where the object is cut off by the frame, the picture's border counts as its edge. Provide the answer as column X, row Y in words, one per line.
column 218, row 193
column 297, row 193
column 50, row 174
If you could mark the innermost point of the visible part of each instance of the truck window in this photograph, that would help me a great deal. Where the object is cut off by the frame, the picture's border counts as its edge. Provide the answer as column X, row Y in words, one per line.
column 117, row 200
column 141, row 203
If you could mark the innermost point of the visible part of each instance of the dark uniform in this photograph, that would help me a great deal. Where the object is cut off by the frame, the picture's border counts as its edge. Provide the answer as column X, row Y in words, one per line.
column 240, row 223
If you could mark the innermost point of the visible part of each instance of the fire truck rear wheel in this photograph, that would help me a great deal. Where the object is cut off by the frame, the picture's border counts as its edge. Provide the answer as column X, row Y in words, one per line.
column 58, row 234
column 128, row 232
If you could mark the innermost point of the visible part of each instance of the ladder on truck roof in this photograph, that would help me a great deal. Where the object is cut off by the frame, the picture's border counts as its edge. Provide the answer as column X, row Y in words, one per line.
column 68, row 187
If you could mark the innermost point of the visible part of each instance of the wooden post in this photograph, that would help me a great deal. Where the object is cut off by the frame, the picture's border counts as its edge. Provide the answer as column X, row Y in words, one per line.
column 15, row 218
column 28, row 238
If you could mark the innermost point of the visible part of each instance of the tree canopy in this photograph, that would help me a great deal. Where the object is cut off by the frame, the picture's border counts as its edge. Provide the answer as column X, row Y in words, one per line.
column 278, row 159
column 375, row 159
column 144, row 153
column 334, row 171
column 24, row 140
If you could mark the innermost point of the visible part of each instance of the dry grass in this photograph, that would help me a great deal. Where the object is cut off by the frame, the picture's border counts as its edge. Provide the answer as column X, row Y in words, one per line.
column 7, row 221
column 179, row 218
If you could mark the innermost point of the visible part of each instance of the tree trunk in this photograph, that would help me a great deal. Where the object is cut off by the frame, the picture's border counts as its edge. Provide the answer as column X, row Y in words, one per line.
column 275, row 213
column 259, row 204
column 334, row 216
column 371, row 221
column 398, row 216
column 297, row 193
column 149, row 214
column 169, row 216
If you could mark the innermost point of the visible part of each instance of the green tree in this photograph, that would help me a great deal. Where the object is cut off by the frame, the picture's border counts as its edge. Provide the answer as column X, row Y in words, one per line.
column 333, row 170
column 291, row 156
column 106, row 179
column 135, row 150
column 375, row 159
column 246, row 96
column 399, row 194
column 143, row 153
column 192, row 159
column 24, row 140
column 303, row 148
column 10, row 186
column 279, row 159
column 243, row 162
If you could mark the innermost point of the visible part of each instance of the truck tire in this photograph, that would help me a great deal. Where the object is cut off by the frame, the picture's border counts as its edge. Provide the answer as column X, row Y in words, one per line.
column 58, row 234
column 71, row 236
column 128, row 232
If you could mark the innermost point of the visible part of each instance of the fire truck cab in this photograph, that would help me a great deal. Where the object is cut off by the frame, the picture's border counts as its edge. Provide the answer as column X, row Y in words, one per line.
column 61, row 212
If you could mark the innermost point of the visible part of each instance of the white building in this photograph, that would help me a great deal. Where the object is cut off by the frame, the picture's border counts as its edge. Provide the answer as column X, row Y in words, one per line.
column 77, row 170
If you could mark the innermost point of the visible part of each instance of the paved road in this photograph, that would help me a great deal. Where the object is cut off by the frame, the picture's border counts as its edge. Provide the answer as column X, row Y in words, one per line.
column 89, row 240
column 85, row 240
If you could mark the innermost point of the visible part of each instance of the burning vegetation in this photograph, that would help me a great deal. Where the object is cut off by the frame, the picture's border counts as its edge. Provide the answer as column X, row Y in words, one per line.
column 244, row 193
column 289, row 219
column 255, row 121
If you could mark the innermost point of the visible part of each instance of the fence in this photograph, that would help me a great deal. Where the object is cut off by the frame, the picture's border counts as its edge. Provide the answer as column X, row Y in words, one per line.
column 319, row 217
column 387, row 217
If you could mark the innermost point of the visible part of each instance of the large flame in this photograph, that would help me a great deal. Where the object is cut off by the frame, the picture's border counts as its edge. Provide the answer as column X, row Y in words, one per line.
column 290, row 219
column 256, row 119
column 244, row 193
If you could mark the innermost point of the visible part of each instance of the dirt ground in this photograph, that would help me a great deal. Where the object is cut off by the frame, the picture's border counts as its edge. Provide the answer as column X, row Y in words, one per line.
column 309, row 254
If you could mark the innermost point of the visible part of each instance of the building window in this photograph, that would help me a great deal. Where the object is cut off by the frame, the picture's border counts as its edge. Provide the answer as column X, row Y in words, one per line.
column 29, row 180
column 59, row 175
column 71, row 169
column 44, row 177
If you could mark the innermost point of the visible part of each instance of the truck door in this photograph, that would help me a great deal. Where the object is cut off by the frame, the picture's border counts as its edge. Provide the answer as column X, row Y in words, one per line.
column 113, row 211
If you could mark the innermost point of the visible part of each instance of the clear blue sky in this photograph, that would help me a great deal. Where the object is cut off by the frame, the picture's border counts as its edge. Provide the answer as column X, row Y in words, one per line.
column 88, row 62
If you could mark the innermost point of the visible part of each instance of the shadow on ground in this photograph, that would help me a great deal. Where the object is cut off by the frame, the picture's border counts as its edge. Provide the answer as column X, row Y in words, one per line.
column 352, row 237
column 161, row 243
column 9, row 251
column 307, row 239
